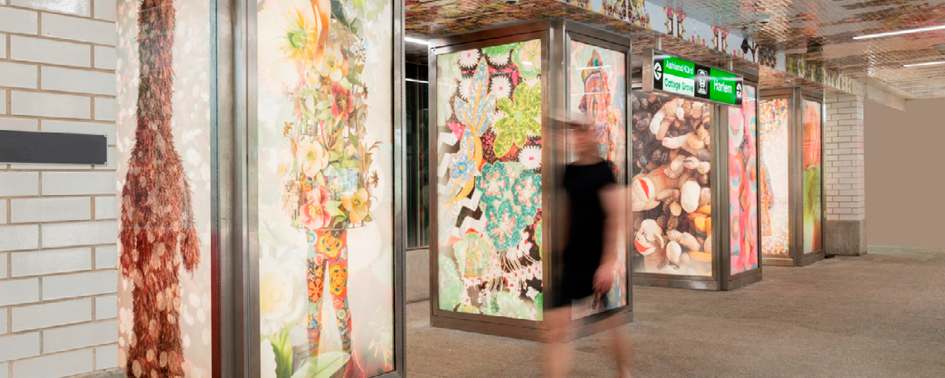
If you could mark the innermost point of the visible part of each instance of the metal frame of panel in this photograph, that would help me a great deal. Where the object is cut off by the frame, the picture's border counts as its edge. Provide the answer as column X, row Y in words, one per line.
column 794, row 95
column 721, row 278
column 240, row 277
column 553, row 33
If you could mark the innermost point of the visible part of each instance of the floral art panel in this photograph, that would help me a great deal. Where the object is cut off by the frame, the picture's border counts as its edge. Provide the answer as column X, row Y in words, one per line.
column 325, row 188
column 489, row 189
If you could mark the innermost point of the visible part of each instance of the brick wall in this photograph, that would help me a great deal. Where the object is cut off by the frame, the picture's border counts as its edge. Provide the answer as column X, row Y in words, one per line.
column 844, row 175
column 57, row 222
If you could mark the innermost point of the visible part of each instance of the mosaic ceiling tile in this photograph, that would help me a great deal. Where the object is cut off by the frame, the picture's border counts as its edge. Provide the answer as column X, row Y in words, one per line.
column 822, row 32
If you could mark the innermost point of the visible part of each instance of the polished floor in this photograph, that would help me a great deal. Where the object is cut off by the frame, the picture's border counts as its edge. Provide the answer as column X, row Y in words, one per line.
column 879, row 315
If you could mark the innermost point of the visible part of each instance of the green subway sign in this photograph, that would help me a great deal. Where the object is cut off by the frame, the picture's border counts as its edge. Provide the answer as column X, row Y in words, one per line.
column 682, row 77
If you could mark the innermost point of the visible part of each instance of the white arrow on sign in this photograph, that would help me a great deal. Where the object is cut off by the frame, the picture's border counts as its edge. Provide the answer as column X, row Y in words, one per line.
column 658, row 71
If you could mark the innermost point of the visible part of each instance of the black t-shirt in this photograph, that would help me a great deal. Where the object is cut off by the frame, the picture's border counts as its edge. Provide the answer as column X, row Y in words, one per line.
column 583, row 185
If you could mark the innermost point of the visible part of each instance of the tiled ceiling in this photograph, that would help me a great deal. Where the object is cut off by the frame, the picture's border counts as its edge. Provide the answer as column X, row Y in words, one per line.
column 823, row 31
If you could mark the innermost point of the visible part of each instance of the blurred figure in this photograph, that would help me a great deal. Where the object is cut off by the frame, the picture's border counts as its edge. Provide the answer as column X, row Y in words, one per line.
column 592, row 221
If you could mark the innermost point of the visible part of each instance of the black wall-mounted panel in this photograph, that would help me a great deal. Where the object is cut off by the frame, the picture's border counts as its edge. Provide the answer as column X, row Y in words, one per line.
column 52, row 148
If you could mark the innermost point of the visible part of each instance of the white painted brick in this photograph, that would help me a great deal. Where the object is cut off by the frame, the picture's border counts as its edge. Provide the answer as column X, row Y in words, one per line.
column 79, row 336
column 106, row 129
column 79, row 81
column 18, row 124
column 105, row 109
column 77, row 7
column 35, row 210
column 3, row 102
column 852, row 217
column 839, row 210
column 106, row 357
column 16, row 292
column 3, row 267
column 51, row 314
column 105, row 208
column 105, row 57
column 80, row 284
column 55, row 366
column 105, row 9
column 48, row 167
column 3, row 46
column 16, row 75
column 840, row 199
column 3, row 216
column 72, row 234
column 15, row 347
column 106, row 257
column 53, row 261
column 3, row 321
column 50, row 105
column 15, row 238
column 78, row 183
column 842, row 138
column 79, row 29
column 52, row 52
column 18, row 21
column 850, row 204
column 106, row 307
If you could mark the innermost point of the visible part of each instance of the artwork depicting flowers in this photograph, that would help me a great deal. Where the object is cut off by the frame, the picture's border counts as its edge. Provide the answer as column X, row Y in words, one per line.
column 325, row 191
column 163, row 155
column 490, row 187
column 597, row 79
column 743, row 182
column 813, row 211
column 773, row 180
column 671, row 195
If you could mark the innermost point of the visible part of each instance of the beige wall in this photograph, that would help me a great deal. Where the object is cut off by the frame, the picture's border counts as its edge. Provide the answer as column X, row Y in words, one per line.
column 905, row 177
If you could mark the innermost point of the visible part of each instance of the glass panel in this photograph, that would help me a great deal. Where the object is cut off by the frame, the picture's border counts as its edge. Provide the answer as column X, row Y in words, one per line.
column 743, row 183
column 413, row 160
column 598, row 88
column 774, row 182
column 325, row 147
column 811, row 112
column 489, row 190
column 671, row 191
column 164, row 167
column 418, row 189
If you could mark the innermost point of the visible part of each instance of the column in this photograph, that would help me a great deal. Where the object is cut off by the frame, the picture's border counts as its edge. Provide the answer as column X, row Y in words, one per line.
column 845, row 181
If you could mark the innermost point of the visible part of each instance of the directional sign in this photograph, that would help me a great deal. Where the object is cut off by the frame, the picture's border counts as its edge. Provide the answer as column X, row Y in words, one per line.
column 682, row 77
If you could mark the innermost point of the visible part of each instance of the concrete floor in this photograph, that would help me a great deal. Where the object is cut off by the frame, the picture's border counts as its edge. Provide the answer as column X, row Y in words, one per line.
column 879, row 315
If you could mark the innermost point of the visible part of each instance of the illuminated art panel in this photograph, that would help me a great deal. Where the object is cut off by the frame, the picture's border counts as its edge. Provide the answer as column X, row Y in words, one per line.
column 598, row 89
column 670, row 191
column 813, row 212
column 325, row 188
column 743, row 183
column 774, row 184
column 163, row 155
column 489, row 156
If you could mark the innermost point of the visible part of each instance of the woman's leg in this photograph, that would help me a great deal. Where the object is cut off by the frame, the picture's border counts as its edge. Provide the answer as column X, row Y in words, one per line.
column 558, row 353
column 623, row 351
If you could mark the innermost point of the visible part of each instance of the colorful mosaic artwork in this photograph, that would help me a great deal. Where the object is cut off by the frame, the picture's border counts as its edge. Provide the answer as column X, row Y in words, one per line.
column 774, row 184
column 813, row 210
column 489, row 192
column 743, row 182
column 598, row 89
column 165, row 284
column 671, row 195
column 325, row 188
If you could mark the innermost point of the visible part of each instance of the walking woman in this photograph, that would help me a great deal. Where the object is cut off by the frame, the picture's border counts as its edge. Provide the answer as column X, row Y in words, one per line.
column 593, row 218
